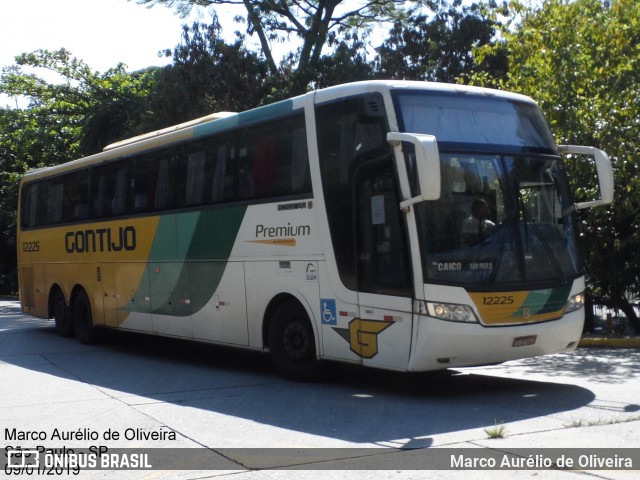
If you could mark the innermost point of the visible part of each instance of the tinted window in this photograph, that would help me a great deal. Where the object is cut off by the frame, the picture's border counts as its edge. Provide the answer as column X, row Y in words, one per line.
column 260, row 162
column 272, row 160
column 110, row 189
column 350, row 132
column 501, row 222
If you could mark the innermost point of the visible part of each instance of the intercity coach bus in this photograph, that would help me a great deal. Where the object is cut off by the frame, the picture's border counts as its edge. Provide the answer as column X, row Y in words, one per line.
column 408, row 226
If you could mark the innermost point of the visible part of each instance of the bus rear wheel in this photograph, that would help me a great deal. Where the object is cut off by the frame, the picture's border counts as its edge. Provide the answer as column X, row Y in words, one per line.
column 61, row 317
column 86, row 331
column 292, row 344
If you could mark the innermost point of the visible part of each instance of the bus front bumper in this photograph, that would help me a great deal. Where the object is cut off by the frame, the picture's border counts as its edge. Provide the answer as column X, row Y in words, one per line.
column 439, row 344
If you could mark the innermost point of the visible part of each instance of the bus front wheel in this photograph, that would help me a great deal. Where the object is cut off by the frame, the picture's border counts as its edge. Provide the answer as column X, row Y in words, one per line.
column 292, row 344
column 86, row 331
column 64, row 325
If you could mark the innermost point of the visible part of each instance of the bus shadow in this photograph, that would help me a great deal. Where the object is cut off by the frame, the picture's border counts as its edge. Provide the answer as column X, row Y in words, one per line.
column 354, row 405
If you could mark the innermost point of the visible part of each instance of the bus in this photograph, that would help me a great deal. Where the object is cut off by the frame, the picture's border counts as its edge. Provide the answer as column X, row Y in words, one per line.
column 408, row 226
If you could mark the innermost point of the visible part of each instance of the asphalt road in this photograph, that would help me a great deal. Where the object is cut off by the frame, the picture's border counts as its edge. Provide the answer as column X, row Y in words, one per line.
column 241, row 420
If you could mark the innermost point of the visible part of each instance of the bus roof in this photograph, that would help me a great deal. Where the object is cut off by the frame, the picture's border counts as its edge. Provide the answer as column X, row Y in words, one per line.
column 225, row 121
column 173, row 128
column 347, row 89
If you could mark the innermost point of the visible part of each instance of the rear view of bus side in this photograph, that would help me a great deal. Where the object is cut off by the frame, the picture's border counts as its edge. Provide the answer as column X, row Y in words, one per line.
column 343, row 224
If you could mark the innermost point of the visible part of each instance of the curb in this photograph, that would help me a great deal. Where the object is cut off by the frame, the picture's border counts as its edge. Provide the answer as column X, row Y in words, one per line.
column 615, row 342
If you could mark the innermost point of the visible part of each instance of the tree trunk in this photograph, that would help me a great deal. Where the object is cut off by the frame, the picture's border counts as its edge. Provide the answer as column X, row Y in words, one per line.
column 630, row 312
column 589, row 320
column 264, row 41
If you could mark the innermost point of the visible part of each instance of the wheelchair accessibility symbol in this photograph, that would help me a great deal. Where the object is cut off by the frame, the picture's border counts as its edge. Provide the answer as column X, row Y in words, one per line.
column 328, row 311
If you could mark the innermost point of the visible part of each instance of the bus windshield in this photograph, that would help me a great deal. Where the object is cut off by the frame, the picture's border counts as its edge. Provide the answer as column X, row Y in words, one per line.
column 500, row 220
column 505, row 215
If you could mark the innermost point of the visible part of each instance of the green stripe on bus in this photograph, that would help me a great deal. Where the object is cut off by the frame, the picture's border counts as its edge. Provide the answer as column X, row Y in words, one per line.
column 245, row 118
column 557, row 299
column 544, row 301
column 187, row 260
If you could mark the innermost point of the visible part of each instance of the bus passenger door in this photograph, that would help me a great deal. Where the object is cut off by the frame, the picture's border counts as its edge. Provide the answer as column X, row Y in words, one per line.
column 382, row 333
column 366, row 303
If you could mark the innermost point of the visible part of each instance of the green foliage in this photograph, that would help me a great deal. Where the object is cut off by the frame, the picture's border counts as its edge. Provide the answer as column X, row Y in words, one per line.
column 12, row 129
column 580, row 60
column 72, row 108
column 209, row 75
column 440, row 47
column 348, row 62
column 311, row 22
column 72, row 111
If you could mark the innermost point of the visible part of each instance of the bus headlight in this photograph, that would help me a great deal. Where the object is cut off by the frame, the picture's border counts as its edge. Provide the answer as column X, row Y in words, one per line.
column 574, row 303
column 451, row 312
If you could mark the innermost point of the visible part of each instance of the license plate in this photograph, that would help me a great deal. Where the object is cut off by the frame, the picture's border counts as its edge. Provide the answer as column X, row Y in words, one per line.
column 524, row 341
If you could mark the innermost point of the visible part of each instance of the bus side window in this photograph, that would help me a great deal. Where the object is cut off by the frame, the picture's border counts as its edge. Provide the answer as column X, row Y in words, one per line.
column 53, row 201
column 100, row 207
column 298, row 171
column 284, row 166
column 222, row 181
column 141, row 183
column 264, row 149
column 118, row 195
column 195, row 177
column 169, row 180
column 291, row 163
column 273, row 160
column 162, row 195
column 109, row 190
column 31, row 205
column 245, row 173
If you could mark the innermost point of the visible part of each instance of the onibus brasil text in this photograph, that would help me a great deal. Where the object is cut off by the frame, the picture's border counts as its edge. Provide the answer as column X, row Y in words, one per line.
column 53, row 461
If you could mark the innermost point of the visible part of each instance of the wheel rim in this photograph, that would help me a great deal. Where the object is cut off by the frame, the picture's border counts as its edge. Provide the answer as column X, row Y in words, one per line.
column 295, row 340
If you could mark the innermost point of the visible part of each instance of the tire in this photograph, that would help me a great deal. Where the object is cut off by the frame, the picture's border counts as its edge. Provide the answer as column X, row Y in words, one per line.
column 61, row 316
column 86, row 331
column 292, row 344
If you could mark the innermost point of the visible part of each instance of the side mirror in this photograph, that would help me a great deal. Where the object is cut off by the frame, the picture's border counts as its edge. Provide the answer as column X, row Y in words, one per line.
column 605, row 173
column 427, row 165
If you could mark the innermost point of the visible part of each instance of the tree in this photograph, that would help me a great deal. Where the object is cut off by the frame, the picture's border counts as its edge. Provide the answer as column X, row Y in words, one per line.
column 580, row 60
column 18, row 136
column 79, row 110
column 312, row 22
column 119, row 106
column 440, row 47
column 209, row 75
column 76, row 113
column 346, row 63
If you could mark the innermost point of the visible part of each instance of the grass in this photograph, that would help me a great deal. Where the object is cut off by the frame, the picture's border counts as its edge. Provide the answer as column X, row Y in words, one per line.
column 496, row 431
column 594, row 423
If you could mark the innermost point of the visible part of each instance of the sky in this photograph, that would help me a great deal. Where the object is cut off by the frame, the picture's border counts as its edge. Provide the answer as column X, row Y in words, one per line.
column 100, row 32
